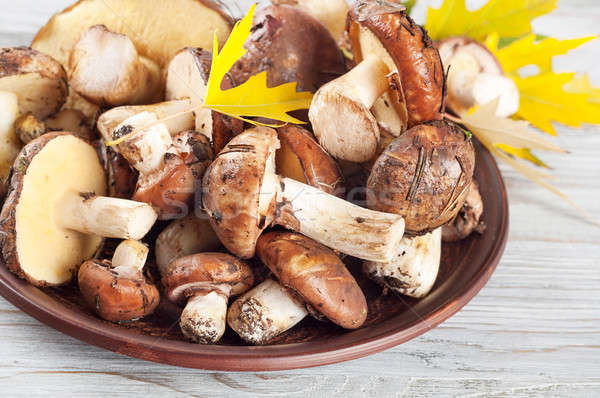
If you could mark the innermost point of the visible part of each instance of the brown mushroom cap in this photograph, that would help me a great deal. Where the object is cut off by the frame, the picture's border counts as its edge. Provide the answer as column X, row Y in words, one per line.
column 37, row 79
column 232, row 186
column 423, row 175
column 204, row 272
column 468, row 219
column 408, row 47
column 116, row 296
column 291, row 46
column 315, row 273
column 187, row 77
column 303, row 159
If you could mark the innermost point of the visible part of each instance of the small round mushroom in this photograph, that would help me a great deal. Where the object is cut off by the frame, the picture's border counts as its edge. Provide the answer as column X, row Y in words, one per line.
column 117, row 290
column 303, row 159
column 54, row 216
column 169, row 166
column 38, row 80
column 291, row 46
column 383, row 29
column 243, row 196
column 310, row 275
column 203, row 283
column 476, row 77
column 187, row 77
column 468, row 219
column 423, row 175
column 189, row 235
column 9, row 143
column 106, row 69
column 414, row 268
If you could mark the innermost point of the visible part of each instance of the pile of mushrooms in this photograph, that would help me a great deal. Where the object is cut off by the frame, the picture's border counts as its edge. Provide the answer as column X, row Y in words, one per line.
column 251, row 226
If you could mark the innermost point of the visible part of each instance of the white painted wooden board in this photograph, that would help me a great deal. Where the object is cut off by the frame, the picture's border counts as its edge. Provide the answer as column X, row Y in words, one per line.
column 534, row 330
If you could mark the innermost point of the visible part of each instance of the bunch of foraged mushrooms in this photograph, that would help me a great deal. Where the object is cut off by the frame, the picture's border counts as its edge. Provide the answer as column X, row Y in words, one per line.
column 217, row 192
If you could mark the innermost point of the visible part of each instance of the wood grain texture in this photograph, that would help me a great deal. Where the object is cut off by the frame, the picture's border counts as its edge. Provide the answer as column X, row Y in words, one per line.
column 533, row 331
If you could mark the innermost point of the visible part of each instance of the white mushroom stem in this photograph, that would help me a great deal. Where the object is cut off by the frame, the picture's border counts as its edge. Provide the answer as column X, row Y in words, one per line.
column 365, row 83
column 414, row 268
column 339, row 224
column 203, row 318
column 131, row 254
column 103, row 216
column 264, row 312
column 145, row 150
column 106, row 69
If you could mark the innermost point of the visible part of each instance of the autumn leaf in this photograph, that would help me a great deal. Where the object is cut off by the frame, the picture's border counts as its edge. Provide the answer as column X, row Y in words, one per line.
column 529, row 51
column 253, row 98
column 509, row 18
column 523, row 153
column 581, row 85
column 544, row 100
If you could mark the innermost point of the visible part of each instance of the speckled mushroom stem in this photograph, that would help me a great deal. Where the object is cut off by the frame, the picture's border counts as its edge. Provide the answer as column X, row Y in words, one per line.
column 343, row 226
column 130, row 254
column 414, row 267
column 366, row 82
column 104, row 216
column 264, row 312
column 203, row 318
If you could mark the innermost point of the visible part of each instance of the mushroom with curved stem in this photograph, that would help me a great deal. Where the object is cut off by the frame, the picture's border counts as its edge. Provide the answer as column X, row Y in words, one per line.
column 476, row 77
column 54, row 216
column 243, row 196
column 169, row 166
column 106, row 69
column 303, row 159
column 414, row 267
column 187, row 78
column 117, row 290
column 311, row 278
column 189, row 235
column 203, row 283
column 383, row 29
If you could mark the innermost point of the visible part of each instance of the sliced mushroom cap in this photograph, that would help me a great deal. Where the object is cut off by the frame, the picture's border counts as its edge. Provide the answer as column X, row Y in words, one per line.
column 383, row 29
column 189, row 235
column 117, row 290
column 52, row 219
column 38, row 80
column 423, row 175
column 291, row 46
column 203, row 283
column 317, row 274
column 303, row 159
column 187, row 77
column 414, row 268
column 468, row 219
column 105, row 68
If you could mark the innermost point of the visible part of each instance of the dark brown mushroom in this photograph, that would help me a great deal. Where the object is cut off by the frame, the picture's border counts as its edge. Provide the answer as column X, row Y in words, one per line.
column 468, row 219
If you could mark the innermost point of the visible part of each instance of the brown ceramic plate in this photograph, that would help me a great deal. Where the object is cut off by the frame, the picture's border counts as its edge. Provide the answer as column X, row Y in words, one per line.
column 466, row 267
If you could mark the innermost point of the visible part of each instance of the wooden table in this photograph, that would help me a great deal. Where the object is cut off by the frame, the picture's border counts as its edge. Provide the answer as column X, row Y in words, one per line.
column 534, row 330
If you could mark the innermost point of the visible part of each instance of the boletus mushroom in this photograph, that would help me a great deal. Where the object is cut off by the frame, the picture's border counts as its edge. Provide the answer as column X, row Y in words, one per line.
column 311, row 279
column 303, row 159
column 468, row 219
column 187, row 77
column 189, row 235
column 383, row 29
column 9, row 143
column 117, row 290
column 414, row 267
column 476, row 77
column 55, row 216
column 106, row 69
column 243, row 196
column 423, row 175
column 203, row 283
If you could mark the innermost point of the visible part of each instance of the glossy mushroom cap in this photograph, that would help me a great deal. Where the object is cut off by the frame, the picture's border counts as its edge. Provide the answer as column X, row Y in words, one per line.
column 423, row 175
column 205, row 272
column 303, row 159
column 383, row 28
column 317, row 274
column 116, row 294
column 232, row 190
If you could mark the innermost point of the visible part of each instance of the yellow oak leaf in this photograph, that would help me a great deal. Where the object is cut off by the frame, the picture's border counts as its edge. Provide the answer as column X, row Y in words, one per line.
column 544, row 100
column 528, row 51
column 509, row 18
column 523, row 153
column 581, row 85
column 252, row 98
